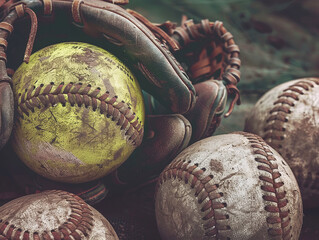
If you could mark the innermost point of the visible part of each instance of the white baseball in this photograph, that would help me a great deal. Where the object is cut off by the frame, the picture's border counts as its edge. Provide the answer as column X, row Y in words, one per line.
column 53, row 215
column 232, row 186
column 287, row 118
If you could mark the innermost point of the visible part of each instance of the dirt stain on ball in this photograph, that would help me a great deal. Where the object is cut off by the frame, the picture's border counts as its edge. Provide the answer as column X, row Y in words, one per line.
column 215, row 165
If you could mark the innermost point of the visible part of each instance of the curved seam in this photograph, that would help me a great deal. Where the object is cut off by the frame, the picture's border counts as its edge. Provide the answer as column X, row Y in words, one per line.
column 205, row 194
column 260, row 148
column 116, row 110
column 79, row 220
column 274, row 128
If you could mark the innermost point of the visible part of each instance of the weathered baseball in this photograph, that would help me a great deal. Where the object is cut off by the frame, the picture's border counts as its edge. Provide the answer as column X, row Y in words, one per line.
column 287, row 118
column 80, row 112
column 53, row 215
column 232, row 186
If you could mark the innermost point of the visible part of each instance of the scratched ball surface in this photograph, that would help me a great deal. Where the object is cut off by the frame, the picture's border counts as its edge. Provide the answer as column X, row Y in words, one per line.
column 287, row 118
column 53, row 215
column 80, row 112
column 231, row 186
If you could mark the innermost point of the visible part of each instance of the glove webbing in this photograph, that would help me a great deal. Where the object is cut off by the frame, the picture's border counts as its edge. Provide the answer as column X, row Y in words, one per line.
column 206, row 65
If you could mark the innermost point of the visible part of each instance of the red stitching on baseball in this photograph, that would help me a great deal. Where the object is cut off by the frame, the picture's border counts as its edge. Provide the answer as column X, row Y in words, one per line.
column 274, row 129
column 277, row 200
column 79, row 94
column 279, row 114
column 80, row 220
column 203, row 191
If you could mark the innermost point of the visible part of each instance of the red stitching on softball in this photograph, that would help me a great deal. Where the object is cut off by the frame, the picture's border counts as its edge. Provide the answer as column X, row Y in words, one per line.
column 203, row 191
column 277, row 199
column 83, row 95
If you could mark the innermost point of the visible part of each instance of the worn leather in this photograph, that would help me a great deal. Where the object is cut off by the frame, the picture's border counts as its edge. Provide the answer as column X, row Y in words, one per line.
column 205, row 117
column 167, row 135
column 208, row 52
column 210, row 105
column 6, row 112
column 157, row 70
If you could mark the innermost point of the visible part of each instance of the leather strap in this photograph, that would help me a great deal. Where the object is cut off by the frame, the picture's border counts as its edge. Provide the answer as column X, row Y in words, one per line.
column 76, row 14
column 47, row 7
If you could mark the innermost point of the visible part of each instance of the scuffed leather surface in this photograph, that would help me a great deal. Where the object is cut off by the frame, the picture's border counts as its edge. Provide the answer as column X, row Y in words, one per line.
column 6, row 112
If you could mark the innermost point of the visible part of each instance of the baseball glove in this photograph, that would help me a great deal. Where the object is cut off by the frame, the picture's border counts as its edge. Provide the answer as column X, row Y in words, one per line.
column 210, row 57
column 157, row 53
column 104, row 22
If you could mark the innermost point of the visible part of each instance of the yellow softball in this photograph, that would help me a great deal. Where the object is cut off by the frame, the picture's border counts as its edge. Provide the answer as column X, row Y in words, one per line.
column 80, row 112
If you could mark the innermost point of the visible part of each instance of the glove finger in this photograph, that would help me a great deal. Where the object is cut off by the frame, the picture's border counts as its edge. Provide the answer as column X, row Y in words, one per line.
column 165, row 137
column 6, row 112
column 205, row 117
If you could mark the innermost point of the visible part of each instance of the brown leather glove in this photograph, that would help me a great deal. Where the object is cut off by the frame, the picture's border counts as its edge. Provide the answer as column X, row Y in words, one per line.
column 149, row 49
column 209, row 55
column 103, row 23
column 166, row 136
